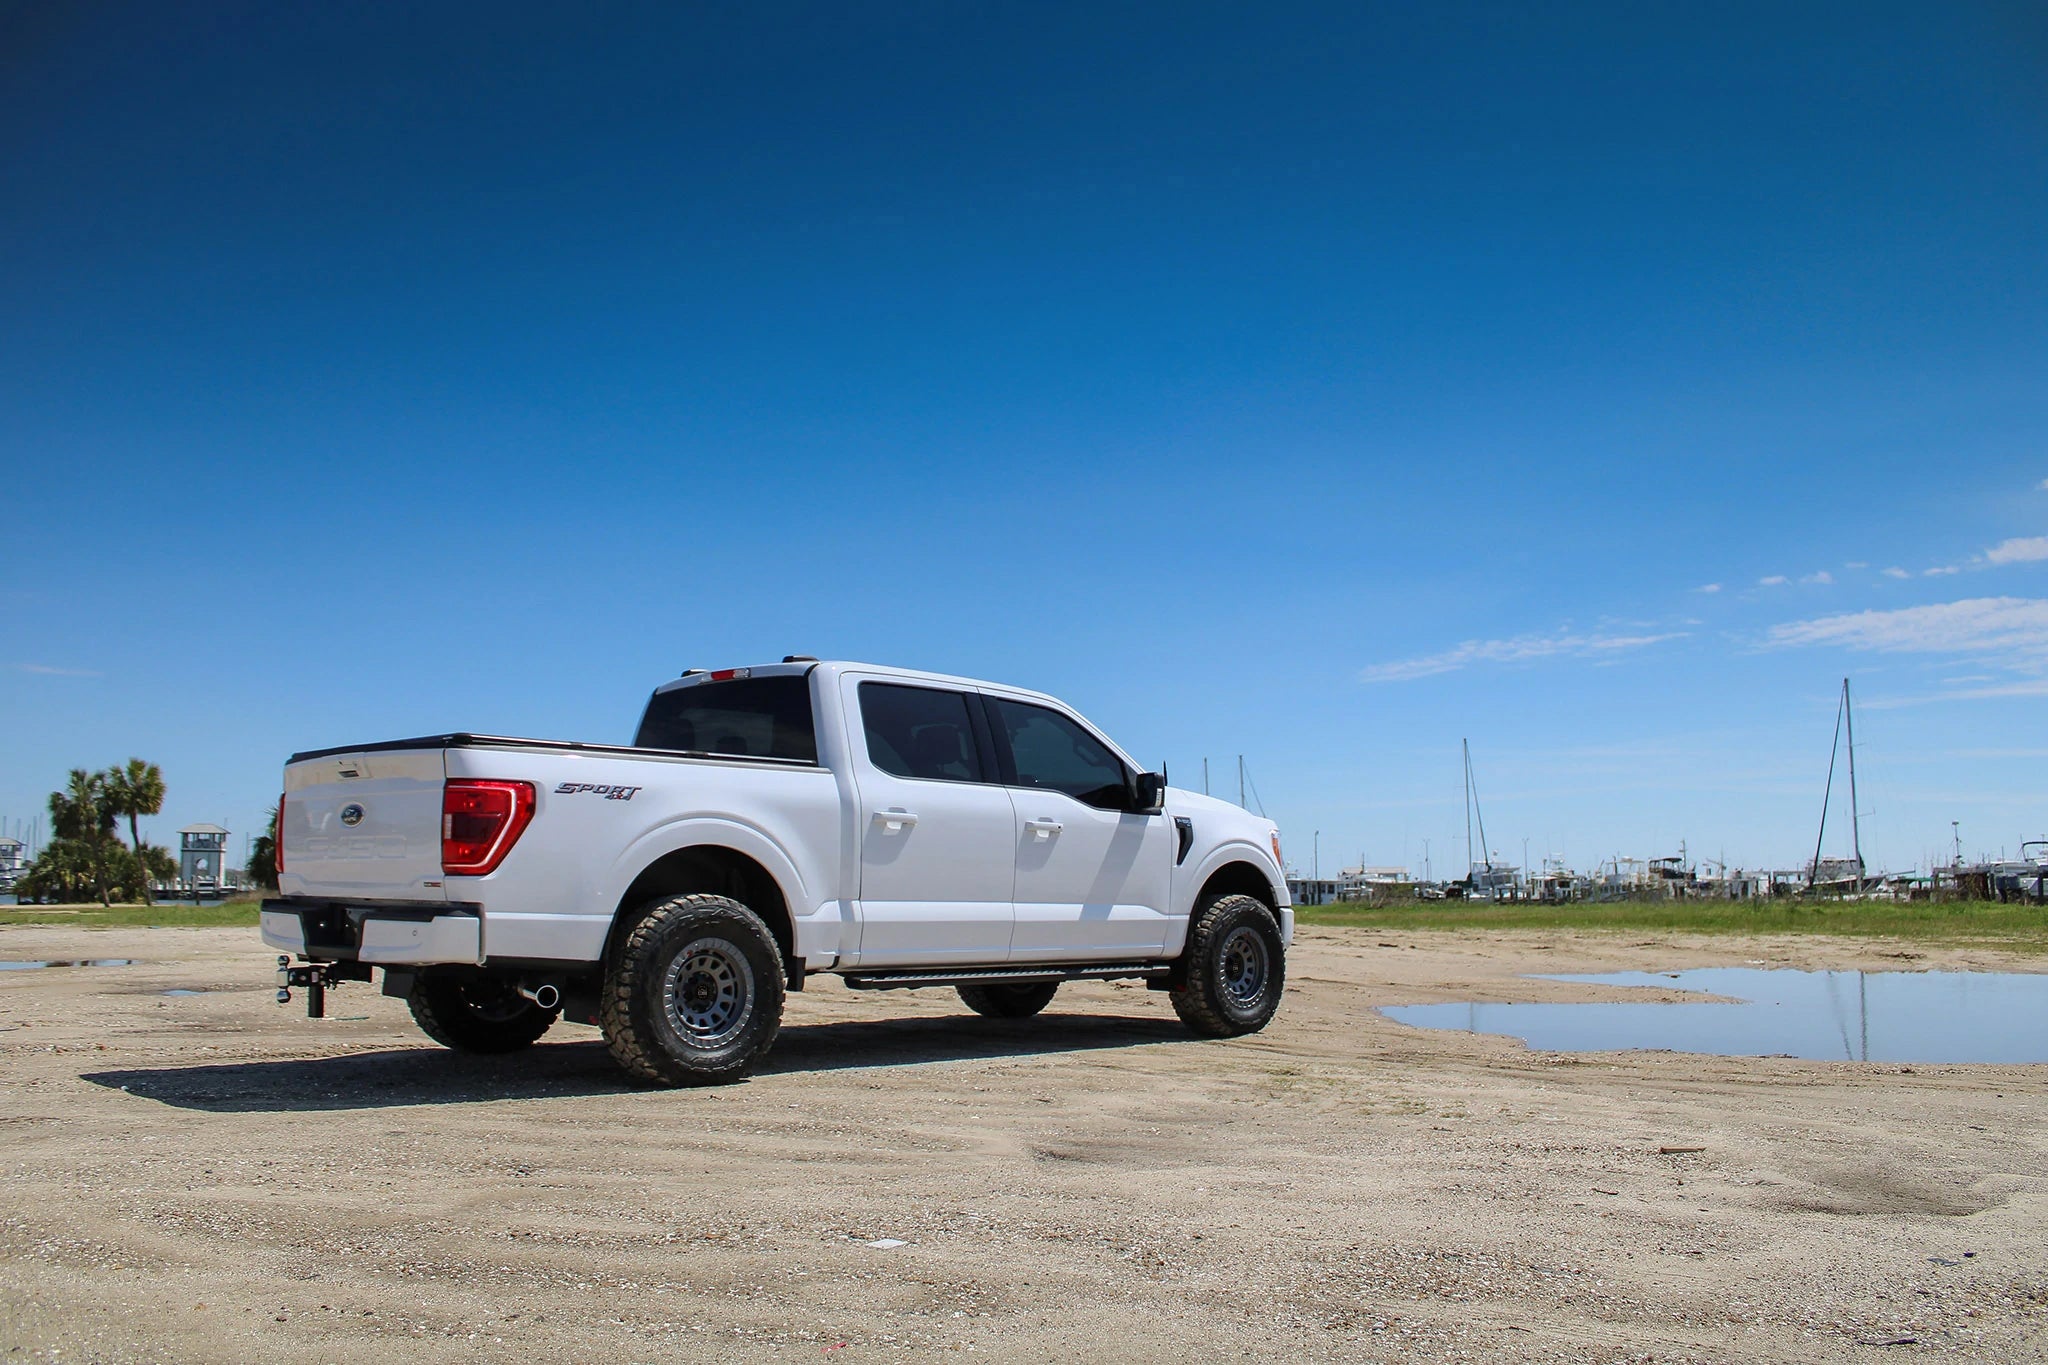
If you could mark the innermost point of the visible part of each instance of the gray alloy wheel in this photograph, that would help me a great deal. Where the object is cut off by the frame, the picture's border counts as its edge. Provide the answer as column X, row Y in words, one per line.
column 1242, row 967
column 708, row 992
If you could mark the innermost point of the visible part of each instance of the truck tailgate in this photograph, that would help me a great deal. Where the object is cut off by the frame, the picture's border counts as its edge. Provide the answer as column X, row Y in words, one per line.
column 364, row 826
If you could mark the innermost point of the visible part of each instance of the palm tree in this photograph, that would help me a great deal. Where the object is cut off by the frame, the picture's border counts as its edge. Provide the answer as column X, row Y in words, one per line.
column 136, row 790
column 75, row 812
column 82, row 813
column 263, row 856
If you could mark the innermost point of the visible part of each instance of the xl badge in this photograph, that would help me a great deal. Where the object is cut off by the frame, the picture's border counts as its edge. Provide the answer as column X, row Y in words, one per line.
column 351, row 815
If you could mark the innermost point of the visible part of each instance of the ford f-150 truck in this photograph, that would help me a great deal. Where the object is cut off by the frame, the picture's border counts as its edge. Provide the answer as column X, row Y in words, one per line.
column 896, row 828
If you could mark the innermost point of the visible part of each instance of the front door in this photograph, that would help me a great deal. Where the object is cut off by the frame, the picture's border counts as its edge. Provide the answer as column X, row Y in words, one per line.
column 937, row 859
column 1092, row 875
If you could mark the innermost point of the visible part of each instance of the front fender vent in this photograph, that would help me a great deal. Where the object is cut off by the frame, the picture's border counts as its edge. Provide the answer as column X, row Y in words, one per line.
column 1186, row 827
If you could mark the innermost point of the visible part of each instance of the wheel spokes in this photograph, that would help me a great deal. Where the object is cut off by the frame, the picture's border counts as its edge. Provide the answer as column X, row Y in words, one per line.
column 706, row 991
column 1243, row 963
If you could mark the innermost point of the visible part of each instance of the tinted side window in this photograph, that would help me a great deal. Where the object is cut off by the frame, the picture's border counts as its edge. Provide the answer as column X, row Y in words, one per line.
column 1051, row 751
column 760, row 717
column 919, row 732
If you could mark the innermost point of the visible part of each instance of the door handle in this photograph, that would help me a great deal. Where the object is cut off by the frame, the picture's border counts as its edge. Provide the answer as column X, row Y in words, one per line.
column 1043, row 829
column 895, row 819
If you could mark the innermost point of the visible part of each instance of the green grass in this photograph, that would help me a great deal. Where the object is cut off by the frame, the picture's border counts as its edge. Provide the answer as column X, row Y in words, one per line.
column 2022, row 927
column 235, row 912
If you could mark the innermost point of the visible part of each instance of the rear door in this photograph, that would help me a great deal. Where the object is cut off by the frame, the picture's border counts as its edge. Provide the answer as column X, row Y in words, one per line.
column 1093, row 876
column 935, row 830
column 364, row 826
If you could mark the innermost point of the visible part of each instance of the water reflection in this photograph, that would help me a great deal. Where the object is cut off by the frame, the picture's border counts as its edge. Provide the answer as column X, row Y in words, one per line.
column 1853, row 1016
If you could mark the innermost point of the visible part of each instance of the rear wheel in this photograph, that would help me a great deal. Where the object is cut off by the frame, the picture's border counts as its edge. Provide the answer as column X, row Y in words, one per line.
column 1235, row 969
column 693, row 995
column 483, row 1014
column 1012, row 1000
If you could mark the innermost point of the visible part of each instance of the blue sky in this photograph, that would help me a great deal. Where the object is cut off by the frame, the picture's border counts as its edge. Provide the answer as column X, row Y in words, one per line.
column 1324, row 384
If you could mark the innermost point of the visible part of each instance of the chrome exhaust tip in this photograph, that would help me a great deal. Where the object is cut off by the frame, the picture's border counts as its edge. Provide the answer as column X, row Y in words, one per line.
column 545, row 996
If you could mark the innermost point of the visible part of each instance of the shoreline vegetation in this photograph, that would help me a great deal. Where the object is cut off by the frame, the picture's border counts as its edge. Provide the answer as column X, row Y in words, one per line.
column 2022, row 928
column 162, row 915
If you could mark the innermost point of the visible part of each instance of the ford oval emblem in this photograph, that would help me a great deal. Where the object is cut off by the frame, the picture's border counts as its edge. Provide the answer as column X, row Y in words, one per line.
column 351, row 815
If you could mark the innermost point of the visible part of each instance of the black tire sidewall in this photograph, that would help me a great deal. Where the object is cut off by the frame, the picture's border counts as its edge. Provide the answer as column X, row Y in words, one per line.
column 1001, row 1000
column 442, row 1008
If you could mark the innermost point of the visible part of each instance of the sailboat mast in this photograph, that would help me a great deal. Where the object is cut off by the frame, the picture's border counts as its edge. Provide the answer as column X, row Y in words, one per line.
column 1468, row 806
column 1855, row 816
column 1827, row 794
column 1479, row 814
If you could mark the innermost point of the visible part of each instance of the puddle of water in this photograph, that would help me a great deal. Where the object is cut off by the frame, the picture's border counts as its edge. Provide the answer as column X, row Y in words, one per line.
column 79, row 962
column 1824, row 1016
column 180, row 990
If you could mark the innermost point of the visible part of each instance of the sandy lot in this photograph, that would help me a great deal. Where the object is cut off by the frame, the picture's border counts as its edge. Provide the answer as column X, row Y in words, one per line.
column 214, row 1177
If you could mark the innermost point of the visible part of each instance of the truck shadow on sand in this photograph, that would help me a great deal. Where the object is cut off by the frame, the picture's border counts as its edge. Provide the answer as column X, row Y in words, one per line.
column 431, row 1075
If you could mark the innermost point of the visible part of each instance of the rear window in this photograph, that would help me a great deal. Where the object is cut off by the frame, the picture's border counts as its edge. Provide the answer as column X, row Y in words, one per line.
column 754, row 717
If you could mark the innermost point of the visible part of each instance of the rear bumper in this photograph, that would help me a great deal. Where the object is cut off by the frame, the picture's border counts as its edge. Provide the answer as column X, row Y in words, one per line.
column 386, row 932
column 1287, row 925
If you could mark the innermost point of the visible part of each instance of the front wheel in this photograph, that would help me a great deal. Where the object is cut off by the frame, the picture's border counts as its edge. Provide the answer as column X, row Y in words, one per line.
column 693, row 995
column 1235, row 968
column 1013, row 1000
column 485, row 1014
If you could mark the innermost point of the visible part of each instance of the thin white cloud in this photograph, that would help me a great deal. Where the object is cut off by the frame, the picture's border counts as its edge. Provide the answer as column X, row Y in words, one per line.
column 1708, row 587
column 1940, row 571
column 1857, row 564
column 1519, row 649
column 2018, row 550
column 1775, row 580
column 1895, row 572
column 2008, row 630
column 2043, row 485
column 51, row 671
column 1823, row 576
column 2032, row 687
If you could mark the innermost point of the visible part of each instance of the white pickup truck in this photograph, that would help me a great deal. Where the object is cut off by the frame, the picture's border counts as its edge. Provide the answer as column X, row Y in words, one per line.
column 893, row 827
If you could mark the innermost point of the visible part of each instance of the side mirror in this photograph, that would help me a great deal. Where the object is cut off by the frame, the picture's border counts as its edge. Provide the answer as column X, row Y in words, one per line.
column 1148, row 793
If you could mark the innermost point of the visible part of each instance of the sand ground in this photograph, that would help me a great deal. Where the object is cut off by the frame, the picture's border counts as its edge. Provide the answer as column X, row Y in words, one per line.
column 214, row 1177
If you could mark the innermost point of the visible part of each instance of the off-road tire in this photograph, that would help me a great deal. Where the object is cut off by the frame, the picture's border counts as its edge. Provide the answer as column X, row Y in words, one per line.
column 1008, row 1000
column 1234, row 969
column 693, row 992
column 481, row 1014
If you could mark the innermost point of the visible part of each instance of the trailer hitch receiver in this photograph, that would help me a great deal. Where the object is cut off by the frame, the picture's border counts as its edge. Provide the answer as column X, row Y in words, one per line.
column 316, row 977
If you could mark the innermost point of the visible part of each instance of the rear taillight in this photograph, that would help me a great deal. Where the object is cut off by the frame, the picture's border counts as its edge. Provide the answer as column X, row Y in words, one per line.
column 277, row 844
column 480, row 821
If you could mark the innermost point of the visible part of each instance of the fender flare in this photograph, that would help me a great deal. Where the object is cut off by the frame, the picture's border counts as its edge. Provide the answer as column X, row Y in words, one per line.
column 1233, row 851
column 701, row 831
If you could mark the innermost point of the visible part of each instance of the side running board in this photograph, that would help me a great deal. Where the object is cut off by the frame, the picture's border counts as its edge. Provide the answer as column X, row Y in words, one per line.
column 1094, row 971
